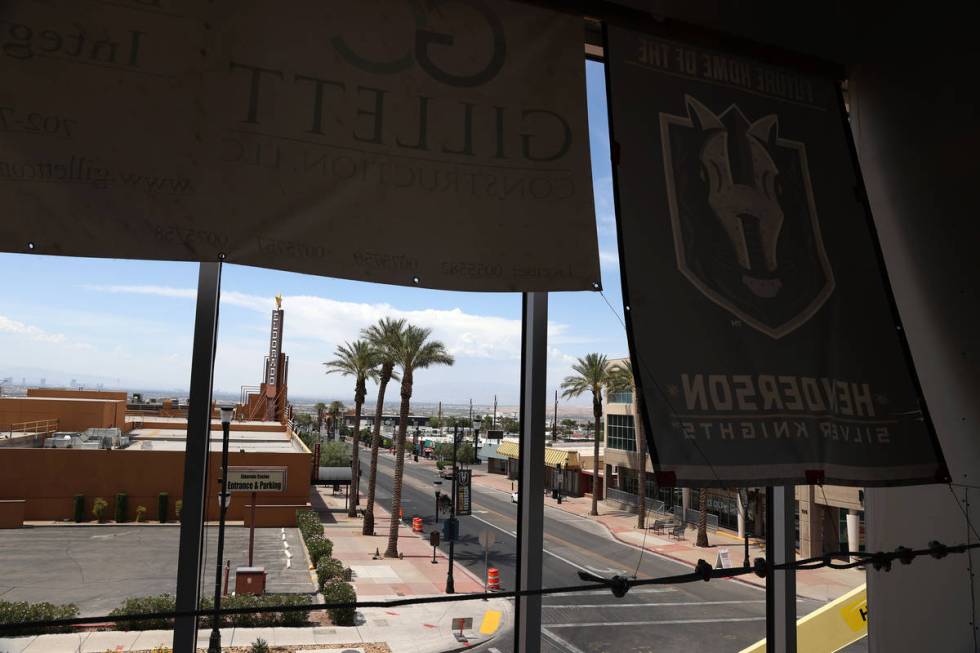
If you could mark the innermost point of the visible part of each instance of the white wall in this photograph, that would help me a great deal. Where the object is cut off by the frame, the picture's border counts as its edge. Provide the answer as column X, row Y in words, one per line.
column 915, row 122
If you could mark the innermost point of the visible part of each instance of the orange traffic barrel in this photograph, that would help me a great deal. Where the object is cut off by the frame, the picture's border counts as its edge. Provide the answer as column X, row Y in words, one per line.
column 416, row 524
column 493, row 580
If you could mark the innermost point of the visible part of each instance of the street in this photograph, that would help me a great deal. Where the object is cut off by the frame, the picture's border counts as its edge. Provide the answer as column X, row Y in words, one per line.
column 722, row 615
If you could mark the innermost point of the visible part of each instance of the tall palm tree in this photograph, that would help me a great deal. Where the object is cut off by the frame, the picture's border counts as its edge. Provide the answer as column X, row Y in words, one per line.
column 359, row 360
column 386, row 338
column 416, row 352
column 624, row 381
column 335, row 410
column 702, row 518
column 592, row 374
column 321, row 409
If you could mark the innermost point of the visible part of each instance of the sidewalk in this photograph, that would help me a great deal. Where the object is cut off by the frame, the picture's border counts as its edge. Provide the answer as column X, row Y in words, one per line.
column 818, row 584
column 407, row 629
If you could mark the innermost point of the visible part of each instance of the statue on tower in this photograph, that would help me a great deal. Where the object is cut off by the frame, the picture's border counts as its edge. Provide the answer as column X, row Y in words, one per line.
column 279, row 301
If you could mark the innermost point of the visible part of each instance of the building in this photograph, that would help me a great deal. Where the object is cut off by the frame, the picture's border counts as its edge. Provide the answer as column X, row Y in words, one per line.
column 829, row 518
column 576, row 469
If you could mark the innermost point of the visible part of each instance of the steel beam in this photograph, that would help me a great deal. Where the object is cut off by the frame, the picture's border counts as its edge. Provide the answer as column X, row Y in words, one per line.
column 530, row 506
column 189, row 560
column 781, row 585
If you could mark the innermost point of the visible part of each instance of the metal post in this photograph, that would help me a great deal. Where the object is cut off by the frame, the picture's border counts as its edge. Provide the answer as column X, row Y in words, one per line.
column 415, row 444
column 450, row 584
column 189, row 559
column 214, row 645
column 251, row 532
column 780, row 585
column 530, row 501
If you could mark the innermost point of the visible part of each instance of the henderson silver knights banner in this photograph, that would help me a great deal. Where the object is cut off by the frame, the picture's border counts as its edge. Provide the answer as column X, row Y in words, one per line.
column 764, row 334
column 434, row 143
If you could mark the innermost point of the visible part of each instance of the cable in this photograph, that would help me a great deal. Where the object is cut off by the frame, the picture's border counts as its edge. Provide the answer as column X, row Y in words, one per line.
column 619, row 585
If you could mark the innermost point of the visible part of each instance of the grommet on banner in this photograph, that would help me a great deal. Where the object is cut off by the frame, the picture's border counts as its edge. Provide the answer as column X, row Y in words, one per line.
column 416, row 280
column 596, row 285
column 221, row 256
column 30, row 244
column 627, row 308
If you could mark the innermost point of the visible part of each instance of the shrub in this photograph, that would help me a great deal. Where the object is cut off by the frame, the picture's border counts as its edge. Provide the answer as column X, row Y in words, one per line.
column 163, row 507
column 272, row 618
column 337, row 591
column 319, row 547
column 142, row 605
column 259, row 646
column 122, row 507
column 177, row 508
column 78, row 507
column 98, row 508
column 440, row 465
column 14, row 612
column 309, row 524
column 328, row 569
column 140, row 513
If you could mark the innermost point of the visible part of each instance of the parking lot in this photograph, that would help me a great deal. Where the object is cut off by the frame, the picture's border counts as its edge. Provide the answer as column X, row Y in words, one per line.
column 97, row 567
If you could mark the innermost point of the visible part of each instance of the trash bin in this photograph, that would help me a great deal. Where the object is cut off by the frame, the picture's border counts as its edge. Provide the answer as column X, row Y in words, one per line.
column 250, row 580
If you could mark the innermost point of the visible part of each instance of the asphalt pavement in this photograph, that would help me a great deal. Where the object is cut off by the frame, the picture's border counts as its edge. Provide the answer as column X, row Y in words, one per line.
column 722, row 615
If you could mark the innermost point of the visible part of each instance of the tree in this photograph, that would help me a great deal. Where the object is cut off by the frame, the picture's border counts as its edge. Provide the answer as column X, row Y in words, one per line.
column 334, row 454
column 435, row 422
column 464, row 452
column 702, row 518
column 592, row 374
column 416, row 352
column 386, row 338
column 335, row 410
column 510, row 425
column 359, row 360
column 567, row 426
column 321, row 409
column 624, row 381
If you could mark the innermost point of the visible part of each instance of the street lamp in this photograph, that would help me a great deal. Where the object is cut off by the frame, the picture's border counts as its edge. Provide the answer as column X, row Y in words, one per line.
column 476, row 441
column 415, row 444
column 558, row 491
column 450, row 585
column 214, row 645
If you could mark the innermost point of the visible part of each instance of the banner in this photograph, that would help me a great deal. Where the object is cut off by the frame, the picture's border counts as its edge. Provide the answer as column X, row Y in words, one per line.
column 762, row 332
column 437, row 144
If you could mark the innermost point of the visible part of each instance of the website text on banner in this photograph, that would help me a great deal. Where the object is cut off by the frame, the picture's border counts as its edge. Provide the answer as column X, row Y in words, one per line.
column 759, row 317
column 386, row 145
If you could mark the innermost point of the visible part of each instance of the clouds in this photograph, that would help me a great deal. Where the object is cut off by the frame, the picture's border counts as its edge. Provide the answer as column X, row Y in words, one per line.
column 31, row 332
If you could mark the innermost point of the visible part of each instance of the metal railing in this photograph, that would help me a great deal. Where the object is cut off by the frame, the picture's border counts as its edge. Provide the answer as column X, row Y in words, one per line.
column 692, row 517
column 42, row 427
column 654, row 506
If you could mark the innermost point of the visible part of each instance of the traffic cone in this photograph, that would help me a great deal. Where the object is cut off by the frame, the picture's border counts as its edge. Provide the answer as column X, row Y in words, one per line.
column 493, row 580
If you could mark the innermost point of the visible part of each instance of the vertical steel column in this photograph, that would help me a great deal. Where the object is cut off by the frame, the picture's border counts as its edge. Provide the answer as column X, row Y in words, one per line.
column 780, row 585
column 189, row 560
column 530, row 507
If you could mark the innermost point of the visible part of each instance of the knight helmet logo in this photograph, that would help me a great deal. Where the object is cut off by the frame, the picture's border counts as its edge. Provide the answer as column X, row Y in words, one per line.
column 745, row 225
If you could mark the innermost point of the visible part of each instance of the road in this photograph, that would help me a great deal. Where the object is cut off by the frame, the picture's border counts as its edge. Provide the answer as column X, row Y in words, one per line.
column 722, row 615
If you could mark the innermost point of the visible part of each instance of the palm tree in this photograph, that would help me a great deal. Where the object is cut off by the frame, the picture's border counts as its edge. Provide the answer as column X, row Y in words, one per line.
column 702, row 518
column 592, row 374
column 385, row 337
column 360, row 360
column 321, row 408
column 624, row 381
column 335, row 410
column 416, row 352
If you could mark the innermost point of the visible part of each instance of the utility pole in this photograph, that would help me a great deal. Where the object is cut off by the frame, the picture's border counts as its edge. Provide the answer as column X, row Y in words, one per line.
column 554, row 425
column 493, row 422
column 439, row 425
column 450, row 584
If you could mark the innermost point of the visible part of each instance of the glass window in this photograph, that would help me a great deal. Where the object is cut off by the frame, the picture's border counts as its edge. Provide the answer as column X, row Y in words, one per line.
column 620, row 433
column 625, row 397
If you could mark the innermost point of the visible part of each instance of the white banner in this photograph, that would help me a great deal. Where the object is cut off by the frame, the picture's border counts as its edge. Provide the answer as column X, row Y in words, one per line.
column 441, row 144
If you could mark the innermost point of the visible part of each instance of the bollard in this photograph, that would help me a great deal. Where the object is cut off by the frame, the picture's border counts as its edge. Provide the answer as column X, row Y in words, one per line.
column 493, row 580
column 416, row 524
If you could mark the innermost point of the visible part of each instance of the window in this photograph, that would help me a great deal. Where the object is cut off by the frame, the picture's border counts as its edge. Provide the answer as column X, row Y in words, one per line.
column 620, row 433
column 625, row 397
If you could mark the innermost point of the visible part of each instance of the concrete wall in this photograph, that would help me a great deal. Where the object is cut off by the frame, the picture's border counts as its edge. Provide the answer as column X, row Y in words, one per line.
column 72, row 414
column 64, row 393
column 915, row 123
column 48, row 479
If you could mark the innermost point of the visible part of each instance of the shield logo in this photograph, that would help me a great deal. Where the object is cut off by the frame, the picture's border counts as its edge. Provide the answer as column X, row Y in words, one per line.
column 745, row 225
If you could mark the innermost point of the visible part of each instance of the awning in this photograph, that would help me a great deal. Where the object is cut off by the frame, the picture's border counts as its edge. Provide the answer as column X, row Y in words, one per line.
column 552, row 457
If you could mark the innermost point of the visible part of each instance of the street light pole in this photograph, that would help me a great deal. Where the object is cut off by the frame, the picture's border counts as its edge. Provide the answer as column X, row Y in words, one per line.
column 450, row 585
column 415, row 444
column 214, row 645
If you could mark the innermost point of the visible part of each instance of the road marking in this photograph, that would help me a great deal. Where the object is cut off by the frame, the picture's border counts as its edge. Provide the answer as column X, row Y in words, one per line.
column 666, row 622
column 605, row 572
column 651, row 605
column 494, row 650
column 638, row 590
column 553, row 555
column 562, row 643
column 491, row 622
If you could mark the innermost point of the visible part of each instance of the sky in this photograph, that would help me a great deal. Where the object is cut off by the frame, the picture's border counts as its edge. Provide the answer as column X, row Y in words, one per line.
column 129, row 324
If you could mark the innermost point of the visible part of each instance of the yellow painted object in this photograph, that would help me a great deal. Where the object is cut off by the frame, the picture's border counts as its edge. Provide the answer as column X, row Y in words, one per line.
column 491, row 622
column 831, row 627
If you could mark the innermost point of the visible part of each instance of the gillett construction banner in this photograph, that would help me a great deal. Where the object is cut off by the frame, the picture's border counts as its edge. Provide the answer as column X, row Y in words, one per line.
column 430, row 143
column 760, row 322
